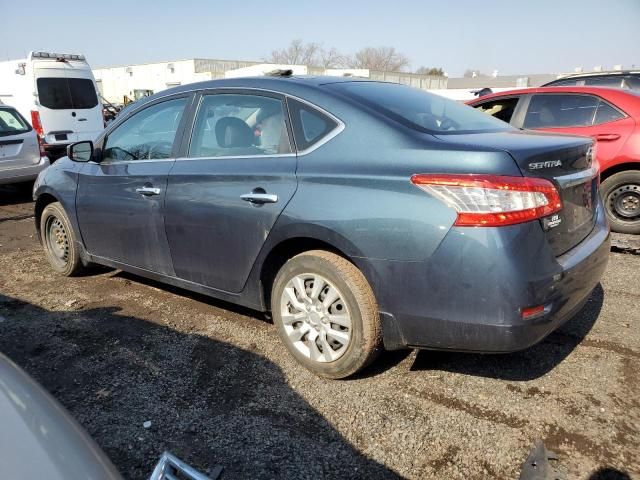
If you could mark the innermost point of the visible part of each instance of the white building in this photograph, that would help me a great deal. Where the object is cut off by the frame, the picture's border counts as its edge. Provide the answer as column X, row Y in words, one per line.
column 116, row 84
column 136, row 81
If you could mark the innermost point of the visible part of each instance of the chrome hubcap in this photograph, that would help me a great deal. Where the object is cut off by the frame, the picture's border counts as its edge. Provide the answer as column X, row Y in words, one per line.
column 315, row 317
column 57, row 241
column 624, row 202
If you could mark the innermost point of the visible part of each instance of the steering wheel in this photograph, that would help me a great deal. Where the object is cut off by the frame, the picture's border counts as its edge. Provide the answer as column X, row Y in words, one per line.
column 126, row 152
column 157, row 146
column 448, row 124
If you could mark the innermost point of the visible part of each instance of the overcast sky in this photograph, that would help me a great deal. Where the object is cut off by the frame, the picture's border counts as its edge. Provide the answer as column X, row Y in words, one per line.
column 511, row 36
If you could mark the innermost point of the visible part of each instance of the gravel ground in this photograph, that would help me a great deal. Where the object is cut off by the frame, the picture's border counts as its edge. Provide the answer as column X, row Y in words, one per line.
column 219, row 389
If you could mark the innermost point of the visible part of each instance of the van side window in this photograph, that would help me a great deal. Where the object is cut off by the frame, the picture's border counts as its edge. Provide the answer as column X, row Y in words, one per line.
column 146, row 135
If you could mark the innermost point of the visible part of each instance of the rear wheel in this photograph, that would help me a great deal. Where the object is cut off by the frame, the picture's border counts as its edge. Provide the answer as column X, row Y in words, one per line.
column 326, row 314
column 59, row 242
column 621, row 197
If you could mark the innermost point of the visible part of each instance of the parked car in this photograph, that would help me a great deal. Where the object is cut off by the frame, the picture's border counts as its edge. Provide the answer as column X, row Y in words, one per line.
column 629, row 79
column 58, row 93
column 362, row 214
column 610, row 116
column 40, row 439
column 22, row 156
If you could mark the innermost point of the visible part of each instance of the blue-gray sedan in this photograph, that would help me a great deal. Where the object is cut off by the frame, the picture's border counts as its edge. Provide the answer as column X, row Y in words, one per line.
column 363, row 215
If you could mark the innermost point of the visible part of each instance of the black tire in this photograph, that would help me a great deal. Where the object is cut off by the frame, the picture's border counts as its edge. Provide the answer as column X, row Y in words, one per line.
column 59, row 241
column 621, row 196
column 365, row 329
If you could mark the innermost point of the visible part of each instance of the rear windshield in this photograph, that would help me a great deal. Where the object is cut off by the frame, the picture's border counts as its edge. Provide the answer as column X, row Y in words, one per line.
column 66, row 93
column 419, row 109
column 12, row 123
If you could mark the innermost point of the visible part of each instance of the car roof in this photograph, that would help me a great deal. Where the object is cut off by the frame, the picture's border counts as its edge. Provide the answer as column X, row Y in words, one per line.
column 598, row 74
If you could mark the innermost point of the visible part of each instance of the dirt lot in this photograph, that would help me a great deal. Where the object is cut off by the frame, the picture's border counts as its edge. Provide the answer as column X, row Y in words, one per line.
column 118, row 350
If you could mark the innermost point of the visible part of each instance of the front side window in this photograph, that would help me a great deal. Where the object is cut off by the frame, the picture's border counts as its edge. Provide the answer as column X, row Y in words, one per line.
column 418, row 109
column 561, row 110
column 12, row 123
column 309, row 124
column 239, row 125
column 501, row 109
column 146, row 135
column 59, row 93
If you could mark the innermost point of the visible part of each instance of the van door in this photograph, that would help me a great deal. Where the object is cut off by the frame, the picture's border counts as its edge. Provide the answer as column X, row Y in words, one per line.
column 68, row 102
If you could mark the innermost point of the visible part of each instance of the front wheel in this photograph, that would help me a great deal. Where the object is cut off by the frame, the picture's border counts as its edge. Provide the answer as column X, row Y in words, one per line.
column 59, row 242
column 326, row 314
column 621, row 197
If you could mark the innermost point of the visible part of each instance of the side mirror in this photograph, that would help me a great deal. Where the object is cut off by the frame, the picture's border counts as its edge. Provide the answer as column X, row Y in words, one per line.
column 80, row 151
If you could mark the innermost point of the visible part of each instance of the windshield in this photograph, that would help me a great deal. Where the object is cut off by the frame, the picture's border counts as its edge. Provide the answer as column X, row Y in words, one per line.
column 12, row 123
column 60, row 93
column 419, row 109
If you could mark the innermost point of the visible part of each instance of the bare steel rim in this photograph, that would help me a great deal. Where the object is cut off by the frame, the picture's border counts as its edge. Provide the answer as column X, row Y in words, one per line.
column 57, row 241
column 315, row 317
column 624, row 202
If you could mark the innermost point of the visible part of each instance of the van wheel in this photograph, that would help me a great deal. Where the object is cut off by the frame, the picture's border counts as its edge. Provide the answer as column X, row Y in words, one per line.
column 326, row 314
column 59, row 241
column 621, row 197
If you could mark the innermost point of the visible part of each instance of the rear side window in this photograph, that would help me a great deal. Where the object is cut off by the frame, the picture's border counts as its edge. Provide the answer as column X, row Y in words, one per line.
column 309, row 124
column 613, row 81
column 418, row 109
column 558, row 110
column 502, row 108
column 59, row 93
column 12, row 123
column 230, row 125
column 606, row 113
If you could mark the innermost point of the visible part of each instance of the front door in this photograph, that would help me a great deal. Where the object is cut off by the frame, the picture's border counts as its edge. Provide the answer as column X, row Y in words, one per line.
column 224, row 197
column 120, row 200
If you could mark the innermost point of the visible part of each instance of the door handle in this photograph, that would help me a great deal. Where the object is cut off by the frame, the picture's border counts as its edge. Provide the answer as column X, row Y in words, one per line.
column 259, row 198
column 607, row 137
column 148, row 191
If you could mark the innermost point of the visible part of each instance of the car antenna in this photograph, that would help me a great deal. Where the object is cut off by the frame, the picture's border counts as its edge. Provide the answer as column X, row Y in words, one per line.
column 280, row 72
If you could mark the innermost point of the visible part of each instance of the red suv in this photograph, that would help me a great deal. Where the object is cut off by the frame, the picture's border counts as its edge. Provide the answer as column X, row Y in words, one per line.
column 610, row 116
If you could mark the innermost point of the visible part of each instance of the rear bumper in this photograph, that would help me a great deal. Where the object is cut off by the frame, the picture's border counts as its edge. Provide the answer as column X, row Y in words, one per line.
column 469, row 295
column 23, row 174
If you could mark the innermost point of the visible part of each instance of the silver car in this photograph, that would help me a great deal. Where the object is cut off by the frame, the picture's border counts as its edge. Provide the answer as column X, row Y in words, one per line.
column 22, row 157
column 40, row 439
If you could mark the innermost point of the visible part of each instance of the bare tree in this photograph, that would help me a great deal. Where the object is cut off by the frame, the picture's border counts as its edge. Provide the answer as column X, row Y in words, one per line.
column 436, row 72
column 332, row 58
column 297, row 53
column 380, row 58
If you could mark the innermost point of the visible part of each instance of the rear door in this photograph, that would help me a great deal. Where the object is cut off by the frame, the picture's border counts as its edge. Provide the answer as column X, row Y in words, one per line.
column 120, row 201
column 68, row 102
column 581, row 114
column 227, row 191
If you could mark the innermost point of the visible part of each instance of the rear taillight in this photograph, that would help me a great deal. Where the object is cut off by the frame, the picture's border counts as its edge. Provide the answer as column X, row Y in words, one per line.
column 43, row 152
column 492, row 200
column 35, row 122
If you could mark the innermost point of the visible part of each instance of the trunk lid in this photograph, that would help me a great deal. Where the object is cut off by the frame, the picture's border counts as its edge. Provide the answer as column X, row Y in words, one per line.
column 563, row 159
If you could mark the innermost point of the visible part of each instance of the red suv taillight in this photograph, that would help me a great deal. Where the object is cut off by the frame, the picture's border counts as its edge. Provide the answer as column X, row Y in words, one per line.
column 492, row 200
column 35, row 122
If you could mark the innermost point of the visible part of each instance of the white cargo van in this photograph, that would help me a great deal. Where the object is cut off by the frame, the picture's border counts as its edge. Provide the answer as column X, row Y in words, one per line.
column 57, row 93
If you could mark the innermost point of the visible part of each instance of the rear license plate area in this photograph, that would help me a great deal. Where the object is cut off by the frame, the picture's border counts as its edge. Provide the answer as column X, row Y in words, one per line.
column 61, row 136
